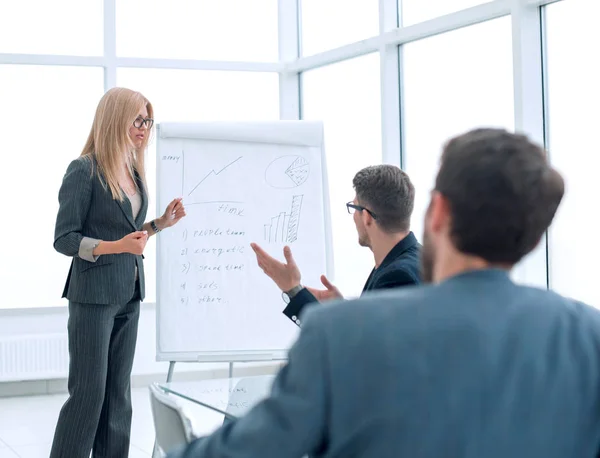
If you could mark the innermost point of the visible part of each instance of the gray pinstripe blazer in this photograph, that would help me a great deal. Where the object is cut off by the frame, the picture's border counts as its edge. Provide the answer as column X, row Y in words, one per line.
column 88, row 209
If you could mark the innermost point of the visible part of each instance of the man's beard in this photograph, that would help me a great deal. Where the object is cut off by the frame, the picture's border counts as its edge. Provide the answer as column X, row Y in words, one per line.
column 363, row 240
column 426, row 258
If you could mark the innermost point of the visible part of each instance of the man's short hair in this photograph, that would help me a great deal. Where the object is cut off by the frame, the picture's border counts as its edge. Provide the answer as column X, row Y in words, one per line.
column 502, row 191
column 388, row 193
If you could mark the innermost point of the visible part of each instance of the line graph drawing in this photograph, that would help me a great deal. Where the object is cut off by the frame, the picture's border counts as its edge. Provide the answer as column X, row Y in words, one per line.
column 287, row 172
column 283, row 228
column 194, row 167
column 213, row 172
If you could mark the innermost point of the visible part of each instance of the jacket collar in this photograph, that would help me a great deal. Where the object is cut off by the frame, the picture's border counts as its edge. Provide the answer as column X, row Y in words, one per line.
column 403, row 245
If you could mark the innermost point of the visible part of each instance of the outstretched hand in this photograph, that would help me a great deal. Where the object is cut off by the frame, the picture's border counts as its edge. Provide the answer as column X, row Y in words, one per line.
column 285, row 275
column 329, row 293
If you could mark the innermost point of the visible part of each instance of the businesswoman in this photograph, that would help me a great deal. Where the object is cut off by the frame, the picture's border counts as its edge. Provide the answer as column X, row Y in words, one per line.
column 100, row 224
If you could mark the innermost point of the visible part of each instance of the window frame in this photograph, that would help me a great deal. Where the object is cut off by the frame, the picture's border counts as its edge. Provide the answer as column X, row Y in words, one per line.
column 528, row 74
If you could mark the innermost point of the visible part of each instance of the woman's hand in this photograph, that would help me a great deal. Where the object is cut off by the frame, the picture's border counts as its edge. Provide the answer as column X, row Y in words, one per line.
column 174, row 212
column 133, row 243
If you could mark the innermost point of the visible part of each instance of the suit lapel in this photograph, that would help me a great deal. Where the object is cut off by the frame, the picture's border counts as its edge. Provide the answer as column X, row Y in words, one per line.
column 125, row 206
column 127, row 211
column 139, row 220
column 143, row 208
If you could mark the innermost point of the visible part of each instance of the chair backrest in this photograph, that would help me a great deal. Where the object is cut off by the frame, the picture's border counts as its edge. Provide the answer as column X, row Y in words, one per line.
column 246, row 393
column 173, row 428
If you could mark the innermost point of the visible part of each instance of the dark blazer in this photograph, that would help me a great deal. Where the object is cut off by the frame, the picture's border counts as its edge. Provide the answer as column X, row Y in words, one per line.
column 88, row 209
column 476, row 366
column 399, row 268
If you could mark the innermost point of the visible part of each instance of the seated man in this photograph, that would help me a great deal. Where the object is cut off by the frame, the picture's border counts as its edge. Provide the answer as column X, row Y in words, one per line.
column 382, row 208
column 472, row 365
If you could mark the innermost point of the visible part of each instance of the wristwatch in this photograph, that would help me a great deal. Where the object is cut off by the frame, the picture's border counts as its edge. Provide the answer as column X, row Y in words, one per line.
column 288, row 295
column 154, row 227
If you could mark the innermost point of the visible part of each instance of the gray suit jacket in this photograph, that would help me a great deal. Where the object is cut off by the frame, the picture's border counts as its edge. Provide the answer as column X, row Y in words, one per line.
column 474, row 367
column 87, row 209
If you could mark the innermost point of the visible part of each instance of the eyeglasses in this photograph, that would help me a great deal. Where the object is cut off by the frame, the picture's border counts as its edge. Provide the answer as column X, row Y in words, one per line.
column 139, row 122
column 352, row 207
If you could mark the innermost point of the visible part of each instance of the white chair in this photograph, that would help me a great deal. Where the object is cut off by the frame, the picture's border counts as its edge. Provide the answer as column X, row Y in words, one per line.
column 172, row 427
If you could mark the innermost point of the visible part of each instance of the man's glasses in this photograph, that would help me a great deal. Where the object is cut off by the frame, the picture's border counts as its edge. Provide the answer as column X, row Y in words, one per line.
column 352, row 207
column 139, row 122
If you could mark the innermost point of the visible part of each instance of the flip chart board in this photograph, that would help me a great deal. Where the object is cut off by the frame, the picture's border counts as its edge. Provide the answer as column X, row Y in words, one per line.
column 262, row 182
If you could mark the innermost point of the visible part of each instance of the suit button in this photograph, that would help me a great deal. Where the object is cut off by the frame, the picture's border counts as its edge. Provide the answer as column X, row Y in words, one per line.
column 297, row 321
column 294, row 318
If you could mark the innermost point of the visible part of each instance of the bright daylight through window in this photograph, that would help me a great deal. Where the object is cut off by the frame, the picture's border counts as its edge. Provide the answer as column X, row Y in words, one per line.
column 346, row 96
column 218, row 60
column 573, row 95
column 452, row 83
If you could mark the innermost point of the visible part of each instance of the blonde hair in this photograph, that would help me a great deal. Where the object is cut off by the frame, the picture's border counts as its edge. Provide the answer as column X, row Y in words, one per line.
column 109, row 142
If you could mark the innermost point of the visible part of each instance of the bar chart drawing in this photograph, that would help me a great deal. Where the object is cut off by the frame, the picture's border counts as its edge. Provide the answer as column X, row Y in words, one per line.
column 283, row 228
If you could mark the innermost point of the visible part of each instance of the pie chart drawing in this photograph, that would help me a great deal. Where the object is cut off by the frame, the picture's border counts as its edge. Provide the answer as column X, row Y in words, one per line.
column 287, row 172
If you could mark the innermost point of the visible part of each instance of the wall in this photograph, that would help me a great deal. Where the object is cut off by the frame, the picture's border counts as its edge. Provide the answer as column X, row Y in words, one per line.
column 145, row 368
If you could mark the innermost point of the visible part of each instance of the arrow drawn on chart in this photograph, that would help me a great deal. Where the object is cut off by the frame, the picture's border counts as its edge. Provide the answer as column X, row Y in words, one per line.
column 213, row 172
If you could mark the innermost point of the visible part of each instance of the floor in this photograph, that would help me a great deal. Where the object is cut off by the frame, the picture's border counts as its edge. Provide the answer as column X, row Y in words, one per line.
column 27, row 424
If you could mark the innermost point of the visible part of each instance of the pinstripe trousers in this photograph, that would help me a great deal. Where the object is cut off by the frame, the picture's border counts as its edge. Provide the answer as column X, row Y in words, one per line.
column 97, row 414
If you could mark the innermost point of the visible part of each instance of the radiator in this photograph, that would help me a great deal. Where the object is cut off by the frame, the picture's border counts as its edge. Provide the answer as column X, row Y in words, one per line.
column 33, row 357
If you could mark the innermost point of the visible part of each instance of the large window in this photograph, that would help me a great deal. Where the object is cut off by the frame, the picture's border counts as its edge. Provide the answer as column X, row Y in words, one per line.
column 47, row 107
column 71, row 27
column 450, row 82
column 193, row 95
column 453, row 82
column 346, row 97
column 46, row 113
column 239, row 30
column 573, row 97
column 327, row 24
